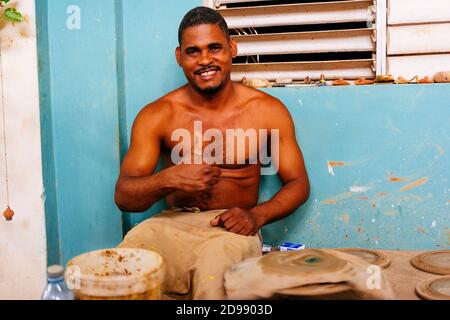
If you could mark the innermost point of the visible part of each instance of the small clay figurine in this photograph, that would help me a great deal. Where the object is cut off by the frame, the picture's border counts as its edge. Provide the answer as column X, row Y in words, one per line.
column 307, row 80
column 340, row 82
column 426, row 79
column 401, row 80
column 363, row 81
column 442, row 77
column 322, row 81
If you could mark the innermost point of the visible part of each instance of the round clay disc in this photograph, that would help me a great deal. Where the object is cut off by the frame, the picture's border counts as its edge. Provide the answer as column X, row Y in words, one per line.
column 306, row 263
column 316, row 289
column 370, row 256
column 437, row 262
column 301, row 263
column 434, row 289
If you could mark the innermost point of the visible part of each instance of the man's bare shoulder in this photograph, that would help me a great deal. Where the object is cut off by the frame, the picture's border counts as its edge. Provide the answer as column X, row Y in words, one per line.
column 163, row 108
column 265, row 105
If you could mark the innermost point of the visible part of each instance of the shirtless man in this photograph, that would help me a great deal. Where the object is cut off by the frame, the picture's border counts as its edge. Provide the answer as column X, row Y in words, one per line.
column 201, row 247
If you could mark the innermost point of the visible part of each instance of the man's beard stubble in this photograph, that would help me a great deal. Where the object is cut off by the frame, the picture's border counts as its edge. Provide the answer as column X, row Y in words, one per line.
column 208, row 90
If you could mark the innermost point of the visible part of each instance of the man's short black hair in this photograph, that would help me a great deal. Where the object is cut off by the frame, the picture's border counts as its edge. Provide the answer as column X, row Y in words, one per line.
column 202, row 15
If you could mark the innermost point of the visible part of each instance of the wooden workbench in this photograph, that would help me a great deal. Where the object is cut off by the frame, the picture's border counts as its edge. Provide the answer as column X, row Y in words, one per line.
column 402, row 276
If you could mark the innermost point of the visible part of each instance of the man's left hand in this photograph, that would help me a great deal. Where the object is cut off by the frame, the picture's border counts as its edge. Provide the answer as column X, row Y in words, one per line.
column 239, row 221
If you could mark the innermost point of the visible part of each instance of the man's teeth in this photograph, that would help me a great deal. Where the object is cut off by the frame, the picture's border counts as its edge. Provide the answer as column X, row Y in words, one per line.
column 208, row 74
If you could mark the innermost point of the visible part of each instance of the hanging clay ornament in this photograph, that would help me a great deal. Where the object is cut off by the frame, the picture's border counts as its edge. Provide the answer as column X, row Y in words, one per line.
column 8, row 214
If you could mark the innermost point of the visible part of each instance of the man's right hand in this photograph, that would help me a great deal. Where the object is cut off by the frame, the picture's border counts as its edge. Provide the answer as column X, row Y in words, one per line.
column 193, row 177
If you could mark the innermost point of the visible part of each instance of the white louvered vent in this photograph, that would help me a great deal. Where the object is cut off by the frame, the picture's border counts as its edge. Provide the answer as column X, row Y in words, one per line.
column 418, row 37
column 298, row 39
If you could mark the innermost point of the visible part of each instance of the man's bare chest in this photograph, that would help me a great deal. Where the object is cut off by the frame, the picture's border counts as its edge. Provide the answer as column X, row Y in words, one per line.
column 231, row 139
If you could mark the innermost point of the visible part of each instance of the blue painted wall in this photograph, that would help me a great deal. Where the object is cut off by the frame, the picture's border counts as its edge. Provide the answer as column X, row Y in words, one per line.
column 95, row 80
column 392, row 190
column 80, row 124
column 150, row 36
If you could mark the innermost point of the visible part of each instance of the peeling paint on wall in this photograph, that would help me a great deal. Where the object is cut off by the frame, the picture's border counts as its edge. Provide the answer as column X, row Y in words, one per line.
column 359, row 189
column 415, row 184
column 345, row 218
column 400, row 191
column 332, row 164
column 396, row 179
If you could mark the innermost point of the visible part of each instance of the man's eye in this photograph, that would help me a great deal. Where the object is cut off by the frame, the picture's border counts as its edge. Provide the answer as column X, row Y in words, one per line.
column 215, row 49
column 191, row 52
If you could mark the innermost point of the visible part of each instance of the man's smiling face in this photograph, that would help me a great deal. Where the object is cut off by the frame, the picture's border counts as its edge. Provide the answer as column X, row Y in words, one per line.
column 206, row 54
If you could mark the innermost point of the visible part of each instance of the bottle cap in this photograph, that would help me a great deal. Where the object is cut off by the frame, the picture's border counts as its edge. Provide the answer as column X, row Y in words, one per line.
column 55, row 271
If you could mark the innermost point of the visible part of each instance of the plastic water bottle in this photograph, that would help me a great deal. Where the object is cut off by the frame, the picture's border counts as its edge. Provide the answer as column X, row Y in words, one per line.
column 56, row 287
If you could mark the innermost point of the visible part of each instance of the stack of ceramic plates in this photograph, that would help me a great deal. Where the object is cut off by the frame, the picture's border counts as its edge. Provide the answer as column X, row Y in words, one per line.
column 434, row 289
column 436, row 262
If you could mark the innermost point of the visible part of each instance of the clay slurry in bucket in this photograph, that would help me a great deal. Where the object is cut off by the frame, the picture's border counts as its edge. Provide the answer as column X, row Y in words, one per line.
column 118, row 274
column 282, row 272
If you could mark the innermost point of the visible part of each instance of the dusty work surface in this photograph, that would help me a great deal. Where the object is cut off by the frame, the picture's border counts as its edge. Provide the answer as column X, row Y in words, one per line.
column 402, row 276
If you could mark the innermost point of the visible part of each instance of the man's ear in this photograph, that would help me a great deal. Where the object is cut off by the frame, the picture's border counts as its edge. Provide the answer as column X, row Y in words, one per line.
column 233, row 48
column 178, row 55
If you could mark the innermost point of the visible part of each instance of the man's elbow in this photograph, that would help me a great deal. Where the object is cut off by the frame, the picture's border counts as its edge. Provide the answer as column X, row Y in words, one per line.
column 122, row 207
column 306, row 191
column 124, row 203
column 125, row 206
column 120, row 201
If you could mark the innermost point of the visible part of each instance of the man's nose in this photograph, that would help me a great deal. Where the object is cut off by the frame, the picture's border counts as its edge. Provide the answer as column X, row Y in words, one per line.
column 205, row 58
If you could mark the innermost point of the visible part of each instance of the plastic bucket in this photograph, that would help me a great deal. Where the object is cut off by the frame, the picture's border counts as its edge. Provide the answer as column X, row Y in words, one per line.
column 116, row 274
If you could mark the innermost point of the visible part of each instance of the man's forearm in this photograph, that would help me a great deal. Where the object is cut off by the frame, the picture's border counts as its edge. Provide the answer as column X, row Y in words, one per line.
column 286, row 201
column 138, row 194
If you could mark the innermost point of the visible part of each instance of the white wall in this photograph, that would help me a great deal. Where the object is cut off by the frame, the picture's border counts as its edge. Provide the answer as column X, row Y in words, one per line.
column 22, row 241
column 418, row 37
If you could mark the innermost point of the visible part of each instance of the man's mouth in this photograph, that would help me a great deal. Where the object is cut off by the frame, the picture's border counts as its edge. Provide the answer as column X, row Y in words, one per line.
column 208, row 74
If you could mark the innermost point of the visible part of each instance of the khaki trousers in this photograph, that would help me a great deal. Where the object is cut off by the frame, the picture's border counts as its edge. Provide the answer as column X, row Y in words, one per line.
column 196, row 255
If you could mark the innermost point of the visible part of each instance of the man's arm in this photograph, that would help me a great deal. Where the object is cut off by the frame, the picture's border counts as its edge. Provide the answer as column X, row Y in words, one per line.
column 292, row 172
column 138, row 187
